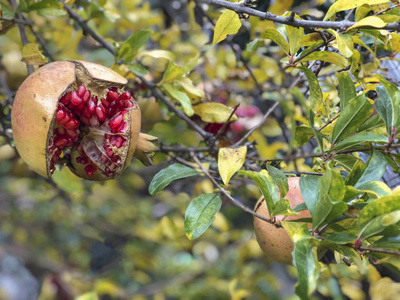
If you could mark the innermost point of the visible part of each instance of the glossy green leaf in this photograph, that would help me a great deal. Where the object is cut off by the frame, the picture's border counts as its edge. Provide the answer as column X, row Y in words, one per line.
column 347, row 161
column 377, row 208
column 342, row 5
column 327, row 211
column 347, row 89
column 266, row 185
column 374, row 189
column 310, row 189
column 353, row 115
column 361, row 139
column 315, row 90
column 200, row 214
column 138, row 70
column 307, row 268
column 303, row 134
column 374, row 169
column 228, row 23
column 169, row 174
column 174, row 71
column 327, row 56
column 181, row 97
column 387, row 104
column 280, row 179
column 373, row 122
column 380, row 223
column 277, row 37
column 128, row 48
column 340, row 238
column 390, row 242
column 295, row 37
column 282, row 207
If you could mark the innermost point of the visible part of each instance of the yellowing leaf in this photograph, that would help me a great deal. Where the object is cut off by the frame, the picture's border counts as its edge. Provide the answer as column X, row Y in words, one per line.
column 345, row 43
column 277, row 37
column 228, row 23
column 31, row 55
column 213, row 112
column 349, row 4
column 230, row 160
column 395, row 42
column 370, row 21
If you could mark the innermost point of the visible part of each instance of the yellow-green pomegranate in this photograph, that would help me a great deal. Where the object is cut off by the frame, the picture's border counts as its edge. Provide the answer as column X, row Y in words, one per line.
column 76, row 113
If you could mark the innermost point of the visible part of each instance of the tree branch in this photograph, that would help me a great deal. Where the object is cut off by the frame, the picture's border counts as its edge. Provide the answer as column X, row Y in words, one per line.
column 342, row 25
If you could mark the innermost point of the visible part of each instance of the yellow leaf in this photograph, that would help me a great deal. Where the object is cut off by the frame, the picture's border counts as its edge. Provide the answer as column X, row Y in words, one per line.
column 228, row 23
column 230, row 160
column 349, row 4
column 213, row 112
column 31, row 55
column 345, row 43
column 370, row 21
column 395, row 42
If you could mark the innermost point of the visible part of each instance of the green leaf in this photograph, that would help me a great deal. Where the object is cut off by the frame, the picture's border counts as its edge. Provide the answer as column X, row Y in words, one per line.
column 266, row 185
column 277, row 37
column 347, row 161
column 252, row 46
column 230, row 160
column 317, row 133
column 228, row 23
column 200, row 214
column 390, row 242
column 349, row 4
column 377, row 208
column 361, row 138
column 374, row 189
column 327, row 56
column 280, row 179
column 380, row 223
column 340, row 238
column 307, row 268
column 303, row 134
column 295, row 37
column 212, row 112
column 347, row 89
column 128, row 48
column 169, row 174
column 373, row 122
column 332, row 192
column 181, row 97
column 374, row 169
column 310, row 188
column 353, row 115
column 138, row 69
column 282, row 207
column 315, row 90
column 45, row 7
column 174, row 72
column 387, row 104
column 327, row 211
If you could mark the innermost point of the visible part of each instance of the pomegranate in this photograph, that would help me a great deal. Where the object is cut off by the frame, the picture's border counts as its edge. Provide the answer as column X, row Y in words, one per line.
column 75, row 113
column 275, row 242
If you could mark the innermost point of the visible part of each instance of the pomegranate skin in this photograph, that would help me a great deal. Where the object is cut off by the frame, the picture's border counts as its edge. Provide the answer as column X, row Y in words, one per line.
column 275, row 242
column 35, row 105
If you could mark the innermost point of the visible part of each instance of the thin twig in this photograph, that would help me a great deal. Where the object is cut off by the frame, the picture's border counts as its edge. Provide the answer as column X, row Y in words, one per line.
column 226, row 194
column 341, row 25
column 246, row 136
column 222, row 129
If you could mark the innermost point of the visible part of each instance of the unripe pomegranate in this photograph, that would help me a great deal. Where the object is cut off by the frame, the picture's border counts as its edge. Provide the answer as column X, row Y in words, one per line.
column 275, row 242
column 75, row 113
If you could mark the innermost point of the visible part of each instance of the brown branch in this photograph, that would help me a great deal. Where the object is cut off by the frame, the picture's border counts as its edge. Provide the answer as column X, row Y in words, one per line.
column 341, row 25
column 226, row 194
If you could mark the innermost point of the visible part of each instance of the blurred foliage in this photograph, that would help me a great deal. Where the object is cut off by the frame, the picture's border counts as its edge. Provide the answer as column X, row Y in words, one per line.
column 112, row 240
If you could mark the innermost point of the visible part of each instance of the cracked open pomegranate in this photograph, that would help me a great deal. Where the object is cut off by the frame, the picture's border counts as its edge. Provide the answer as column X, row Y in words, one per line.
column 75, row 113
column 275, row 242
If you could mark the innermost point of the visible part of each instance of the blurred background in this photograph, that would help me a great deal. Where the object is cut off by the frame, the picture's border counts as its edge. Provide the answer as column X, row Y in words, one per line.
column 69, row 238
